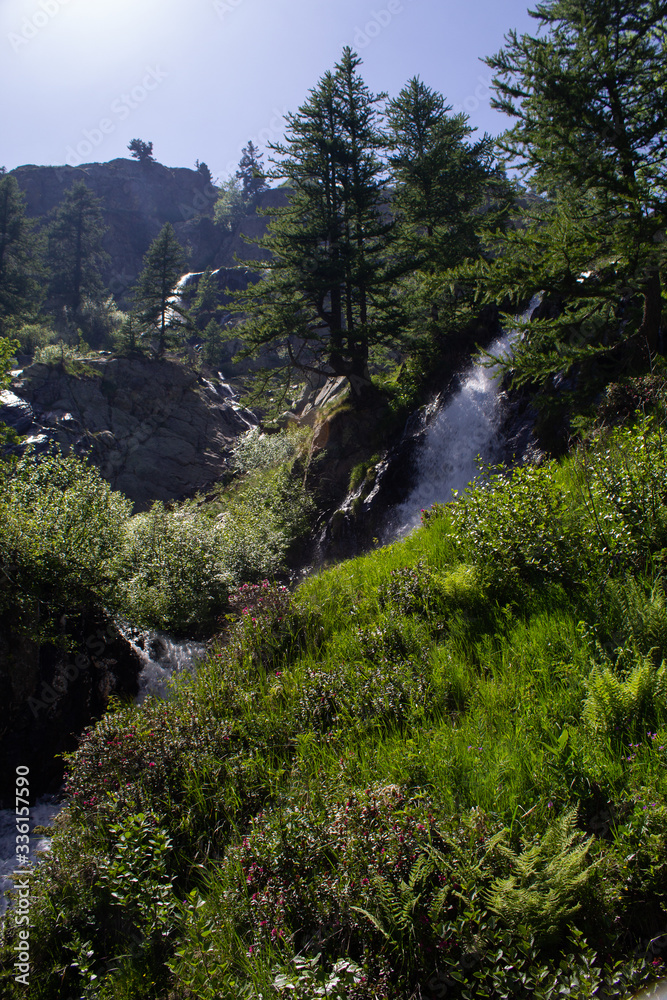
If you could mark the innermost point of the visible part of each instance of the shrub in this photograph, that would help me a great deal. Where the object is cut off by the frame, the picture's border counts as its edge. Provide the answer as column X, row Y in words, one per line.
column 58, row 354
column 520, row 529
column 255, row 450
column 171, row 570
column 60, row 527
column 34, row 336
column 622, row 485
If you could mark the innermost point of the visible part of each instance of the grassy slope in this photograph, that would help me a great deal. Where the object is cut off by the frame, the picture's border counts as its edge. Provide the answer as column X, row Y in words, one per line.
column 439, row 767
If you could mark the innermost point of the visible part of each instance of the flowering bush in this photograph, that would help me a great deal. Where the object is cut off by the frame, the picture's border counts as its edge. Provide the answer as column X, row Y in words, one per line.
column 265, row 623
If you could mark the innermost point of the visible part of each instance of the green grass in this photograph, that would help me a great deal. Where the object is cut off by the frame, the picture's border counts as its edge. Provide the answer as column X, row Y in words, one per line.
column 405, row 776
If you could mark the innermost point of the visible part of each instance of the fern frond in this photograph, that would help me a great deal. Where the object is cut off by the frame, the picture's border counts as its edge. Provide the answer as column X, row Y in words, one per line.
column 547, row 882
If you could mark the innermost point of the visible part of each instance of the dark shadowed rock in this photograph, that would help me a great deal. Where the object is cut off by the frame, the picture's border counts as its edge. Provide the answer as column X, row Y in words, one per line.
column 51, row 691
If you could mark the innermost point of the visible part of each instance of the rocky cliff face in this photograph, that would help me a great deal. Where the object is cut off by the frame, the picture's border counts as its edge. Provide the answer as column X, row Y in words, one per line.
column 137, row 200
column 157, row 430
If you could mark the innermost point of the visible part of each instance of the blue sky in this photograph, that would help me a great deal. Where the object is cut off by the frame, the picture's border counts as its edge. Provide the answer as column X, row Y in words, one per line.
column 198, row 78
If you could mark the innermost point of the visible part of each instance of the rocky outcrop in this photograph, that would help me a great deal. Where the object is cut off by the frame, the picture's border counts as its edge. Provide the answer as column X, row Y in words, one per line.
column 51, row 691
column 137, row 200
column 156, row 429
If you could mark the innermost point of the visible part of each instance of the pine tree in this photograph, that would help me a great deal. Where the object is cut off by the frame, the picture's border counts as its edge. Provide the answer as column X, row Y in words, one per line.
column 442, row 182
column 75, row 255
column 325, row 295
column 18, row 252
column 589, row 101
column 251, row 172
column 142, row 151
column 155, row 301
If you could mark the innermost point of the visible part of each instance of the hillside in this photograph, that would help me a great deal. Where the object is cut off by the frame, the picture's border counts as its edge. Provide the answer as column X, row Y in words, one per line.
column 435, row 770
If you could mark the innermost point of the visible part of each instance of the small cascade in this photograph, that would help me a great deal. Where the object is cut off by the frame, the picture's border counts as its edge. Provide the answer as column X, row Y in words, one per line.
column 464, row 432
column 162, row 658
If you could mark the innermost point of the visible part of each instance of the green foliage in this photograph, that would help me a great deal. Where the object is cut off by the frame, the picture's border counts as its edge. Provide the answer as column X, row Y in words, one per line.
column 230, row 206
column 547, row 881
column 136, row 877
column 520, row 529
column 157, row 307
column 142, row 151
column 19, row 268
column 61, row 530
column 587, row 98
column 442, row 185
column 171, row 570
column 34, row 336
column 310, row 979
column 127, row 337
column 407, row 762
column 251, row 172
column 326, row 295
column 60, row 353
column 255, row 450
column 8, row 349
column 100, row 321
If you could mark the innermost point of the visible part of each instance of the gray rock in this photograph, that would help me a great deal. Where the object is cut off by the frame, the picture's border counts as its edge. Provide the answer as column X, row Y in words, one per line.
column 156, row 429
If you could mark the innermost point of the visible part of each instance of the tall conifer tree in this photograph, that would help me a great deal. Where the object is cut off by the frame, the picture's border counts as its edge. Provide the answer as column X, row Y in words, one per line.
column 589, row 100
column 325, row 292
column 442, row 181
column 18, row 256
column 156, row 304
column 75, row 254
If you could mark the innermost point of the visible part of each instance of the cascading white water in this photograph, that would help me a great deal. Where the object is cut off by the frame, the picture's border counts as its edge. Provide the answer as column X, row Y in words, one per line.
column 464, row 432
column 162, row 658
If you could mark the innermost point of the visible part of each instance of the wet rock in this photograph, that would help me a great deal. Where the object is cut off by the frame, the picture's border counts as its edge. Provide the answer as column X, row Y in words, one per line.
column 15, row 412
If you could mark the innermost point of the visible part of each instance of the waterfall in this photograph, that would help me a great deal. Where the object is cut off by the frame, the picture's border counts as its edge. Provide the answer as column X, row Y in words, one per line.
column 464, row 431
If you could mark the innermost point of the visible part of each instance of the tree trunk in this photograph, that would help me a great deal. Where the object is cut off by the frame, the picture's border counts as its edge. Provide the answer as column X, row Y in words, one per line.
column 650, row 328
